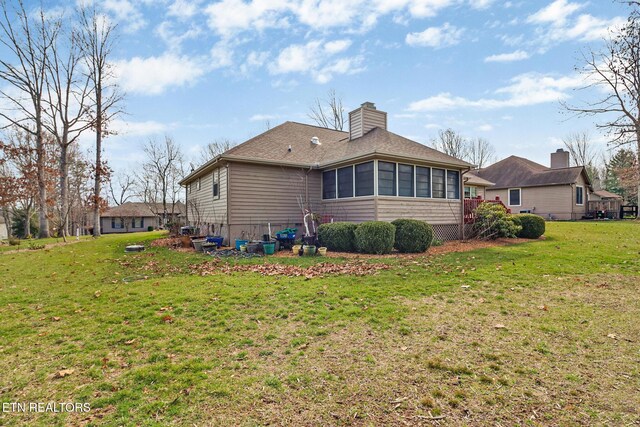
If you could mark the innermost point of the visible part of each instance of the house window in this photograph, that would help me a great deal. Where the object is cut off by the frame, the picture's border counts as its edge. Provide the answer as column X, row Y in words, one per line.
column 438, row 183
column 386, row 179
column 137, row 222
column 579, row 195
column 405, row 180
column 514, row 196
column 364, row 179
column 453, row 185
column 423, row 182
column 345, row 182
column 198, row 186
column 216, row 183
column 117, row 223
column 329, row 184
column 470, row 192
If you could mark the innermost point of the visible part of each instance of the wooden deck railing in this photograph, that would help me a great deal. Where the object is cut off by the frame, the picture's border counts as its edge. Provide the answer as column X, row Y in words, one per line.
column 470, row 206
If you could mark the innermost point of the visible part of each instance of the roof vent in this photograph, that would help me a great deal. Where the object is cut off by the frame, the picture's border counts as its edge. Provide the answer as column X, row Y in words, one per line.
column 315, row 140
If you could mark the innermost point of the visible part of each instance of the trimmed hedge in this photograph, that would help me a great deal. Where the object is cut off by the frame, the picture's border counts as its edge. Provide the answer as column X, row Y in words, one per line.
column 338, row 236
column 375, row 237
column 412, row 235
column 533, row 226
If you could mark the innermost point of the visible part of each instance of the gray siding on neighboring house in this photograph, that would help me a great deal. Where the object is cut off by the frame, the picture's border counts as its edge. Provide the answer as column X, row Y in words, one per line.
column 3, row 231
column 205, row 210
column 550, row 202
column 106, row 225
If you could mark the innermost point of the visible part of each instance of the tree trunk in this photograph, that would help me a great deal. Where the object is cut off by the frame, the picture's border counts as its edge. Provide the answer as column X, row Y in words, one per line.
column 7, row 221
column 27, row 222
column 42, row 181
column 64, row 191
column 96, row 189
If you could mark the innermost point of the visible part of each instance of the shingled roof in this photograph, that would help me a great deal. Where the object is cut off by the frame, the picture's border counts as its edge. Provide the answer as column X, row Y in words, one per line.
column 140, row 209
column 516, row 171
column 290, row 144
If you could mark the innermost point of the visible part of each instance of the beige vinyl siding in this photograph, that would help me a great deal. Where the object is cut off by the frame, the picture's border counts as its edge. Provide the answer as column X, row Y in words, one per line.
column 434, row 211
column 262, row 194
column 355, row 121
column 580, row 210
column 373, row 119
column 204, row 210
column 550, row 202
column 356, row 209
column 105, row 225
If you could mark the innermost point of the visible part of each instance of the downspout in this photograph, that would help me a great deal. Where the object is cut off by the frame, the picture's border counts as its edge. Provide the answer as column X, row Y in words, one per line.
column 462, row 225
column 306, row 187
column 227, row 166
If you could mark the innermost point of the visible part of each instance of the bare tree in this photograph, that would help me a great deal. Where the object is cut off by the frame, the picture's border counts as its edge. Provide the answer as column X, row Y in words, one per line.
column 66, row 110
column 29, row 38
column 329, row 112
column 583, row 153
column 452, row 143
column 97, row 38
column 480, row 152
column 213, row 150
column 121, row 188
column 615, row 72
column 161, row 174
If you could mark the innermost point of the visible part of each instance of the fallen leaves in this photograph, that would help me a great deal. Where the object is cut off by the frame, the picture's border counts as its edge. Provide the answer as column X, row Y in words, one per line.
column 63, row 373
column 500, row 326
column 317, row 270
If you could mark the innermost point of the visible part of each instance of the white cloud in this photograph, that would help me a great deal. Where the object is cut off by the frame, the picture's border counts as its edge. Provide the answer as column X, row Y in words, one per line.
column 262, row 117
column 221, row 55
column 316, row 58
column 480, row 4
column 555, row 13
column 125, row 12
column 173, row 38
column 146, row 128
column 155, row 74
column 254, row 60
column 485, row 128
column 518, row 55
column 436, row 37
column 230, row 16
column 524, row 90
column 183, row 9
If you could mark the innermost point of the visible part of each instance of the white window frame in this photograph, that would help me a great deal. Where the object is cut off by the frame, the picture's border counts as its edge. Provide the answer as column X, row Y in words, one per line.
column 470, row 187
column 509, row 195
column 582, row 187
column 215, row 179
column 198, row 184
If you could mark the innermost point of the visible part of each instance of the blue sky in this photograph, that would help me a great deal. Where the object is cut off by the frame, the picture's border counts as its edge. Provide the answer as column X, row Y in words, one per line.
column 205, row 70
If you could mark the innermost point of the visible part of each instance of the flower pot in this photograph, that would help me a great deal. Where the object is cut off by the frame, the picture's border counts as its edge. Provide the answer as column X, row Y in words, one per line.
column 309, row 250
column 296, row 249
column 215, row 239
column 240, row 243
column 252, row 248
column 322, row 251
column 269, row 248
column 243, row 248
column 198, row 244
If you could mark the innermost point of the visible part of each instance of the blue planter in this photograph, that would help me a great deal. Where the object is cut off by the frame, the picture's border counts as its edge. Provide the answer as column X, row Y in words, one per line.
column 240, row 243
column 216, row 239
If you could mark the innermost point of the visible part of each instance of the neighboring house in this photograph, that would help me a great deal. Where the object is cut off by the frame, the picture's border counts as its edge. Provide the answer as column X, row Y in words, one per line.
column 367, row 173
column 4, row 234
column 604, row 195
column 130, row 217
column 557, row 192
column 474, row 186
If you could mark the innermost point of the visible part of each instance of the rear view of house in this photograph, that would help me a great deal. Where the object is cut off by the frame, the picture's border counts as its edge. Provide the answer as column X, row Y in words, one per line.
column 131, row 217
column 367, row 173
column 559, row 192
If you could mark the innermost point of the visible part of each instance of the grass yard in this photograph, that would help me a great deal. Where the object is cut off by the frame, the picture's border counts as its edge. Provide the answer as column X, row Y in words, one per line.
column 539, row 333
column 27, row 243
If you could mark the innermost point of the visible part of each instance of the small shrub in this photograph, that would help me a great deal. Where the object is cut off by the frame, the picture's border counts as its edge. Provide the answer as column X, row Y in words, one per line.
column 33, row 246
column 375, row 237
column 492, row 222
column 338, row 236
column 412, row 235
column 150, row 228
column 533, row 226
column 14, row 241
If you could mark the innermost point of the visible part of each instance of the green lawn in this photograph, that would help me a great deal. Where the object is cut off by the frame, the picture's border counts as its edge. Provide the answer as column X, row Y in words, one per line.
column 540, row 333
column 27, row 243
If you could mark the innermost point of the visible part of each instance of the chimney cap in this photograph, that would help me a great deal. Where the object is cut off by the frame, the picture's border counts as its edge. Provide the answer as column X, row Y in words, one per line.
column 560, row 150
column 368, row 104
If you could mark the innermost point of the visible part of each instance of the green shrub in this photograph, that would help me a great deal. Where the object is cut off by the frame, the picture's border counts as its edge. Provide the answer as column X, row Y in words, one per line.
column 375, row 237
column 150, row 228
column 412, row 235
column 33, row 246
column 338, row 236
column 533, row 226
column 14, row 241
column 492, row 222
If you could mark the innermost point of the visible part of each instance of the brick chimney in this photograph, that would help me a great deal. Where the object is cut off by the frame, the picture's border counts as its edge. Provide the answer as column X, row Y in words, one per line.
column 560, row 159
column 365, row 118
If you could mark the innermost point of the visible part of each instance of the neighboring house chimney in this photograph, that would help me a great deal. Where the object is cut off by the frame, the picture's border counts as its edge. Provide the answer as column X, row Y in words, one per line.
column 560, row 159
column 365, row 118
